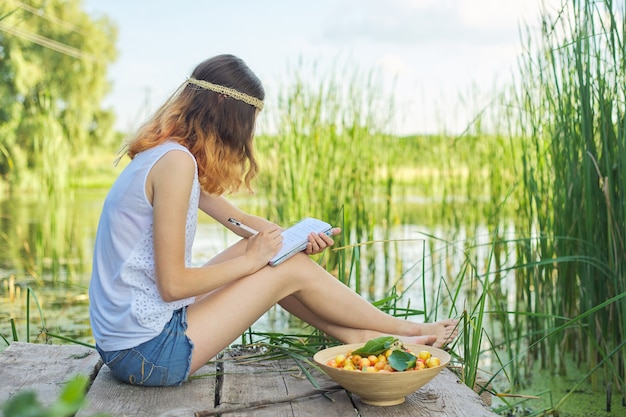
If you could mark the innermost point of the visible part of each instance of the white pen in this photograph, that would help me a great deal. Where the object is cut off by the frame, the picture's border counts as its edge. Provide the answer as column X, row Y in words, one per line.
column 243, row 226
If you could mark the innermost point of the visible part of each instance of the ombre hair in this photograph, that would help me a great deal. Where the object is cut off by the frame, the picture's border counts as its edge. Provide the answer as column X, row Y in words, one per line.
column 216, row 128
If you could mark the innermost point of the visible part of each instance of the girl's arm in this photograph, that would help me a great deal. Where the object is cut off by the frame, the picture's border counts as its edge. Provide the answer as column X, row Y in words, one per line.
column 221, row 210
column 168, row 188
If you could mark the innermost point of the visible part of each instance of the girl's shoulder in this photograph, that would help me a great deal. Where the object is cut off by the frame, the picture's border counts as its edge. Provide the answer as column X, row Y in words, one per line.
column 159, row 151
column 171, row 145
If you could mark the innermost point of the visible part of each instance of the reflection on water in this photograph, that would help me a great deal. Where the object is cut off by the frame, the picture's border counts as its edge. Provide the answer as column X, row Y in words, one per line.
column 48, row 238
column 46, row 244
column 58, row 309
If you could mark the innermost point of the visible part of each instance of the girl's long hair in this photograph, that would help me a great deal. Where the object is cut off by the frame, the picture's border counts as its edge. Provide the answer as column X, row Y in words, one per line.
column 217, row 129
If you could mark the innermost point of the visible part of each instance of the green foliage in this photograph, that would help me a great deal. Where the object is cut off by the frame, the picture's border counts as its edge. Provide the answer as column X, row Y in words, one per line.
column 71, row 399
column 572, row 118
column 376, row 346
column 401, row 360
column 53, row 62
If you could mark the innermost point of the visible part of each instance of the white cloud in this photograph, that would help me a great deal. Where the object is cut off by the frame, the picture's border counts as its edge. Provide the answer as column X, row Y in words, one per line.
column 393, row 65
column 498, row 13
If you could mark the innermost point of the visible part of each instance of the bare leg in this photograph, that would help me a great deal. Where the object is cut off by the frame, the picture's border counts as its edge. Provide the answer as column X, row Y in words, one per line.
column 350, row 335
column 215, row 320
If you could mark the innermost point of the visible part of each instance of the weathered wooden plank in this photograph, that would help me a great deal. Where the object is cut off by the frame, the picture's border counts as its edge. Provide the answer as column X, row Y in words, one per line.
column 444, row 396
column 277, row 388
column 107, row 395
column 43, row 368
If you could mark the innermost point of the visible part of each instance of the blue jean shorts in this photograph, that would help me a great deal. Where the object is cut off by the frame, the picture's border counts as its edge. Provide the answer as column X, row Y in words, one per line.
column 162, row 361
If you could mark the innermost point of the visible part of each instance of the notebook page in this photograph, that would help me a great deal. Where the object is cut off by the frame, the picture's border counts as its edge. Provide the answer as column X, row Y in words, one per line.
column 296, row 237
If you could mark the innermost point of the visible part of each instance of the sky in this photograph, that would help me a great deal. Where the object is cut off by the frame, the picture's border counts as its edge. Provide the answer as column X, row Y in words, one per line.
column 440, row 60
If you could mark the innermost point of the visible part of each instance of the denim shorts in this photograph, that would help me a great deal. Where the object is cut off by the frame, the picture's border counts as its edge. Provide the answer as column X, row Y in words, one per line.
column 162, row 361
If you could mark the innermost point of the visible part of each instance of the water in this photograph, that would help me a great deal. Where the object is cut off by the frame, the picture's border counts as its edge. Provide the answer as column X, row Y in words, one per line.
column 47, row 247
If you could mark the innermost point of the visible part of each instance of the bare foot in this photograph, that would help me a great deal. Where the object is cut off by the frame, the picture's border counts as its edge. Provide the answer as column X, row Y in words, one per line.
column 445, row 331
column 419, row 340
column 437, row 334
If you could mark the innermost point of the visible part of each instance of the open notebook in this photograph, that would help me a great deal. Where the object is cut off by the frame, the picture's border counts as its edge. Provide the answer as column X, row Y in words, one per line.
column 296, row 237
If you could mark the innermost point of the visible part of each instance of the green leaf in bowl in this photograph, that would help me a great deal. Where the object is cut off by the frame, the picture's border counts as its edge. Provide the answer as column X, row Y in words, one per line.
column 401, row 360
column 376, row 346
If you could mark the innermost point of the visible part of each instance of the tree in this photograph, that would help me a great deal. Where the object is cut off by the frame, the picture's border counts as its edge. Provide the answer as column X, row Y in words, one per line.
column 53, row 63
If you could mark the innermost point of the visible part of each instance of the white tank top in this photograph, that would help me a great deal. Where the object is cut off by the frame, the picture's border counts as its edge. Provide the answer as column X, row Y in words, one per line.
column 126, row 308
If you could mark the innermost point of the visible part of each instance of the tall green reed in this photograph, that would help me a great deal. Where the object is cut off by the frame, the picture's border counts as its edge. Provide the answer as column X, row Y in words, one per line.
column 573, row 125
column 328, row 159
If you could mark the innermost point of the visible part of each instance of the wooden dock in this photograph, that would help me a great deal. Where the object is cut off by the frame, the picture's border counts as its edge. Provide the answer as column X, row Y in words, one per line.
column 229, row 387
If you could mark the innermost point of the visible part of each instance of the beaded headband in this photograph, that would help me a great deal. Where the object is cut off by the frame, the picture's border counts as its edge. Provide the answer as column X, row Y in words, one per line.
column 230, row 92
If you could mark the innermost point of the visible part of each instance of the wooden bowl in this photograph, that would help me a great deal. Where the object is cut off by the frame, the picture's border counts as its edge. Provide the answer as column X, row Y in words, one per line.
column 380, row 388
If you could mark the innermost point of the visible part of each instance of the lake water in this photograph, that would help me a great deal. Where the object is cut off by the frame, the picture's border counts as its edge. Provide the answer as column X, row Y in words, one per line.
column 47, row 247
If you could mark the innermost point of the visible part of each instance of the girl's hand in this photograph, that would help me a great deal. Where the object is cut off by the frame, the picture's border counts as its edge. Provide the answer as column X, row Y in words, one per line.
column 319, row 242
column 264, row 245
